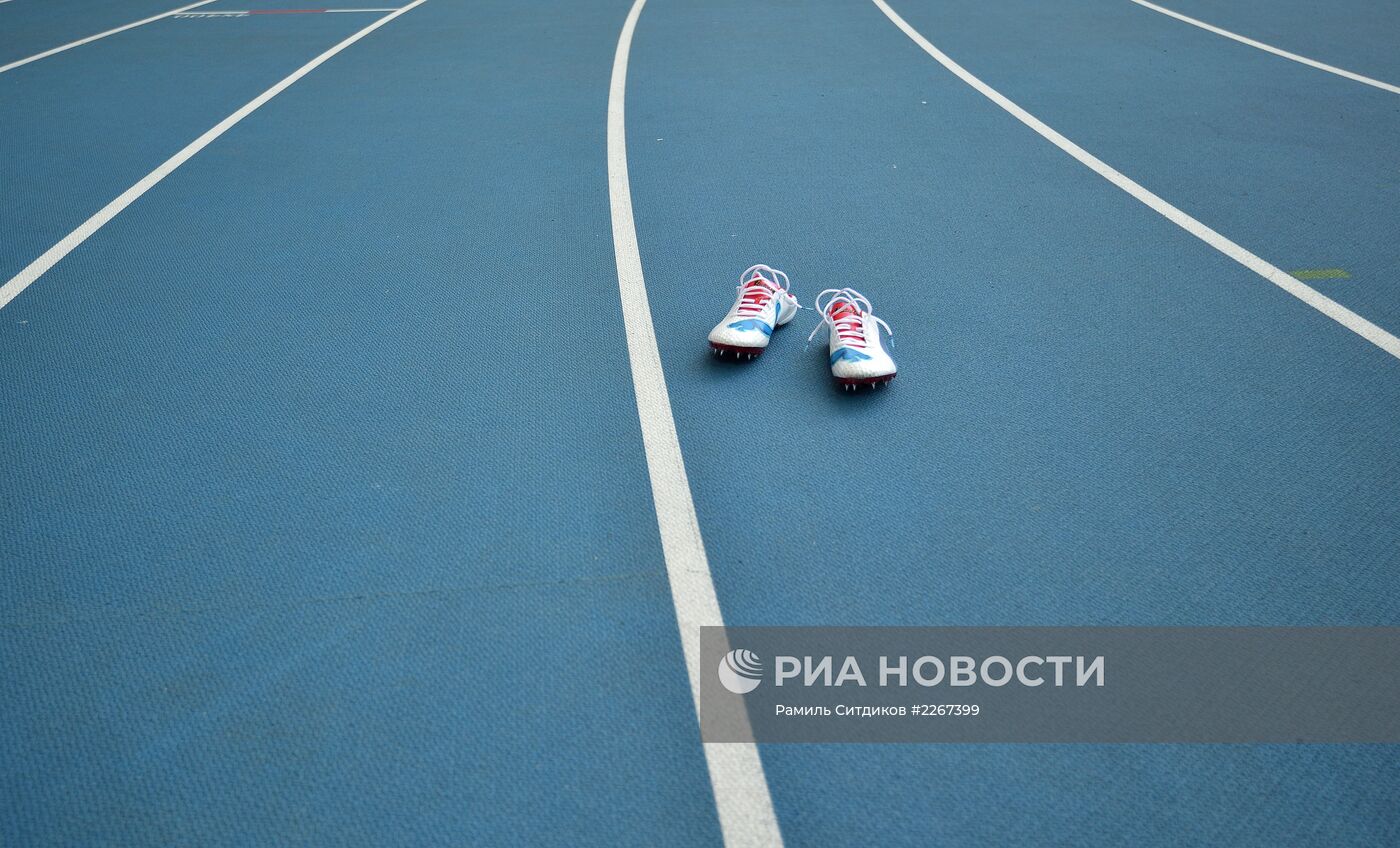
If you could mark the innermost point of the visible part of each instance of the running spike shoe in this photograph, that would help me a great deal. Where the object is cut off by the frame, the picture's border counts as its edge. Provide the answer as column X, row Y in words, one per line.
column 763, row 304
column 856, row 351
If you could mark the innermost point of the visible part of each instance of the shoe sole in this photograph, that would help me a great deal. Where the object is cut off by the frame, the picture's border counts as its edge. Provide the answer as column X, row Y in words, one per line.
column 737, row 352
column 851, row 384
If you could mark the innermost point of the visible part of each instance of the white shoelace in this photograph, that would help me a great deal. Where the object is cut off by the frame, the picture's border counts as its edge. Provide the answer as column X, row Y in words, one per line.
column 847, row 326
column 757, row 286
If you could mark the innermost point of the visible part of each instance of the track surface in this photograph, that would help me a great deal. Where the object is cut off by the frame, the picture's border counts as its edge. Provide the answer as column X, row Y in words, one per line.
column 324, row 510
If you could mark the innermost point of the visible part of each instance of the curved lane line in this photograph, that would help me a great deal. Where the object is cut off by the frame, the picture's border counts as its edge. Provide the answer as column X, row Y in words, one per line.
column 91, row 38
column 745, row 808
column 34, row 270
column 1312, row 63
column 1327, row 306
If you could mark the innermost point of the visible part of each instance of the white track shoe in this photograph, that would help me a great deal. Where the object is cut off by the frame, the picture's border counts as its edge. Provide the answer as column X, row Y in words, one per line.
column 764, row 304
column 855, row 350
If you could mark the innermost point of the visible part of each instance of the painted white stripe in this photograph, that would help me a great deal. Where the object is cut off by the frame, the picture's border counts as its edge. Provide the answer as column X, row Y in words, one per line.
column 1362, row 327
column 1312, row 63
column 745, row 809
column 91, row 38
column 36, row 269
column 243, row 13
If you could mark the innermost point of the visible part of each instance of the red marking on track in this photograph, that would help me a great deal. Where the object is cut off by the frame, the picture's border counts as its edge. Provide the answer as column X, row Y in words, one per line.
column 285, row 11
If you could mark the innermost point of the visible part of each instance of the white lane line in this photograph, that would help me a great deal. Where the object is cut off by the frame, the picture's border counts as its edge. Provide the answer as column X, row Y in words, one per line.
column 745, row 808
column 1362, row 327
column 247, row 13
column 19, row 282
column 1312, row 63
column 91, row 38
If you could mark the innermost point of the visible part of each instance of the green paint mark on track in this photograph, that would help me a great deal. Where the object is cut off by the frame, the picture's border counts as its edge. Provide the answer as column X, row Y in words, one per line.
column 1320, row 274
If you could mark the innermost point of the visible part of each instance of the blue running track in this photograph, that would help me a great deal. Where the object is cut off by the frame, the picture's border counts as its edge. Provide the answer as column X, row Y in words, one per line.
column 325, row 513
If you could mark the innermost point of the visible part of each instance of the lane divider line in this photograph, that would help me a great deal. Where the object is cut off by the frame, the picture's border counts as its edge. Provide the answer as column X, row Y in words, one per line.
column 34, row 270
column 741, row 794
column 1304, row 60
column 243, row 13
column 1342, row 315
column 91, row 38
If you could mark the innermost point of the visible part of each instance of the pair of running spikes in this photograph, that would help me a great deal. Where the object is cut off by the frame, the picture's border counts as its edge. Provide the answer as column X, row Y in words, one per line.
column 855, row 350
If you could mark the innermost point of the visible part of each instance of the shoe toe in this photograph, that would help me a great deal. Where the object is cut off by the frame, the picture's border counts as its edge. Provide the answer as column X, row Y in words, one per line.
column 745, row 336
column 861, row 369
